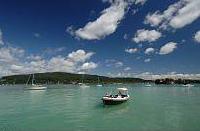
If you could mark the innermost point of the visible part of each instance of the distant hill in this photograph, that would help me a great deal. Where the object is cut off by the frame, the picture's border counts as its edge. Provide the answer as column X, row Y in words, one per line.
column 65, row 78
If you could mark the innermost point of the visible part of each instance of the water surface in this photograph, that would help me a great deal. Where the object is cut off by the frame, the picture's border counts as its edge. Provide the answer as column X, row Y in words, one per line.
column 69, row 107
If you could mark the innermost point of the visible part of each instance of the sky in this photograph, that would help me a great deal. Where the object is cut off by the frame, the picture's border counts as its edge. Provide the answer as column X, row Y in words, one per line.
column 119, row 38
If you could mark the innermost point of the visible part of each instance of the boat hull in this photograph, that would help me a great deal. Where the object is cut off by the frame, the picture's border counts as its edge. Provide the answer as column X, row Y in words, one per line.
column 111, row 102
column 36, row 88
column 114, row 101
column 84, row 86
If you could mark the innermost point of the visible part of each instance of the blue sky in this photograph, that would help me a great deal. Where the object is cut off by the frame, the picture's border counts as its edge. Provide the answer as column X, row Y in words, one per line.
column 139, row 38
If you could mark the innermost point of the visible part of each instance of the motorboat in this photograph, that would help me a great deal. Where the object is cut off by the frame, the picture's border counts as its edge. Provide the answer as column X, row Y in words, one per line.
column 34, row 86
column 120, row 97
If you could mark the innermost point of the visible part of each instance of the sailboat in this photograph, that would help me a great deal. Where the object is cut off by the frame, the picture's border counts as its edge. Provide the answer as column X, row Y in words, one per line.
column 99, row 85
column 82, row 84
column 34, row 86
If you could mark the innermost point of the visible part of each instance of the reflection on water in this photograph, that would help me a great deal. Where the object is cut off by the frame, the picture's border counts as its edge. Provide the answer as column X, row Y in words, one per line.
column 116, row 110
column 35, row 95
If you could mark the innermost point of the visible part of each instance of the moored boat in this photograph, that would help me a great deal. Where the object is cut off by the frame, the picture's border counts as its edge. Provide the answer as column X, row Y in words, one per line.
column 34, row 86
column 82, row 84
column 99, row 85
column 120, row 97
column 148, row 85
column 188, row 85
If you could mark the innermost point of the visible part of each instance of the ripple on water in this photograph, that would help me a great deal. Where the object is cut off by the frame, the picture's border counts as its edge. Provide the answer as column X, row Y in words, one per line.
column 68, row 107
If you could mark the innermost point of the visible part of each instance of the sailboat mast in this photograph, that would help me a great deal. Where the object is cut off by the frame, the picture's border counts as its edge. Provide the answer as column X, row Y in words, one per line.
column 28, row 79
column 82, row 77
column 33, row 79
column 98, row 79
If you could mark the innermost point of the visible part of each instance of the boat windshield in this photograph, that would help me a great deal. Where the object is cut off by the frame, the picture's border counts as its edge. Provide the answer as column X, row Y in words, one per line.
column 122, row 91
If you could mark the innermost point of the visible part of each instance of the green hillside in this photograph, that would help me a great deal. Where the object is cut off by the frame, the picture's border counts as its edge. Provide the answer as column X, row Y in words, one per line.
column 65, row 78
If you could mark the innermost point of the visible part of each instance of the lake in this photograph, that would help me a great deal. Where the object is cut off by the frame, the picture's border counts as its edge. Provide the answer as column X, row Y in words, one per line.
column 69, row 107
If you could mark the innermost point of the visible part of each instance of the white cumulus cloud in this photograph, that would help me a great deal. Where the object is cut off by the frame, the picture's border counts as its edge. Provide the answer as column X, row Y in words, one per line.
column 10, row 54
column 88, row 66
column 106, row 24
column 173, row 75
column 140, row 1
column 13, row 61
column 80, row 55
column 153, row 19
column 61, row 63
column 131, row 50
column 197, row 36
column 187, row 14
column 143, row 35
column 16, row 69
column 149, row 51
column 177, row 15
column 168, row 48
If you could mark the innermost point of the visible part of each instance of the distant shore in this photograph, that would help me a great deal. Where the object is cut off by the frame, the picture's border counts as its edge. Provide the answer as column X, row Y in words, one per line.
column 176, row 81
column 69, row 78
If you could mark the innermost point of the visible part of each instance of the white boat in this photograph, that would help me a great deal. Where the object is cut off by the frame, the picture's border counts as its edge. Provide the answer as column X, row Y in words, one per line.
column 188, row 85
column 99, row 85
column 82, row 84
column 119, row 98
column 34, row 86
column 148, row 85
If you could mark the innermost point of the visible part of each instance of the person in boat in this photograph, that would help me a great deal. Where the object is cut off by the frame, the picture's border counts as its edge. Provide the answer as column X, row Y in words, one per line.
column 121, row 94
column 108, row 95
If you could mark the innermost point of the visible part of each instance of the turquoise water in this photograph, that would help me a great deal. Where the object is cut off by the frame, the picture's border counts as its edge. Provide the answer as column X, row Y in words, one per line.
column 69, row 107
